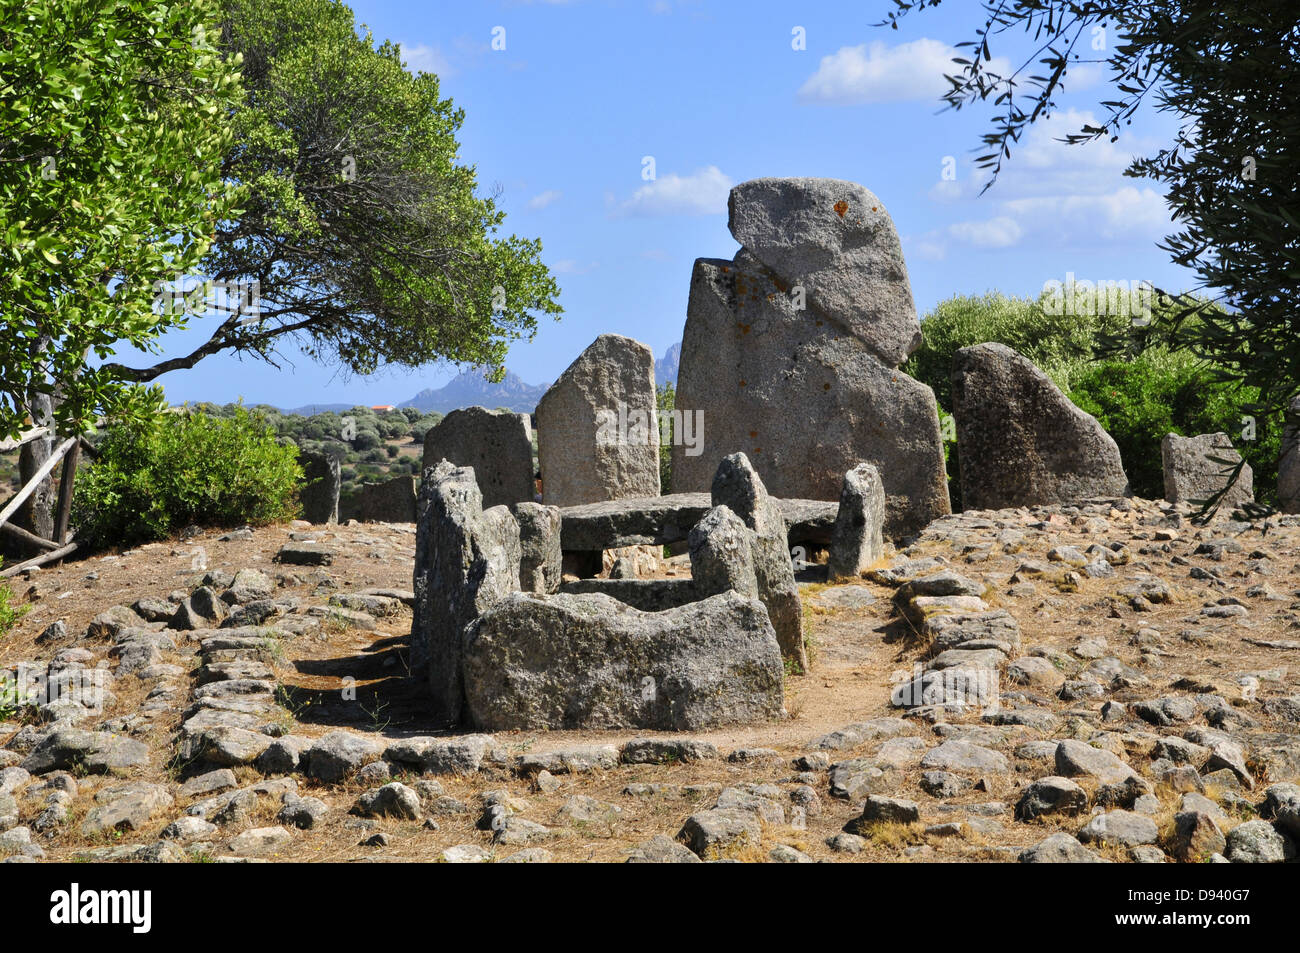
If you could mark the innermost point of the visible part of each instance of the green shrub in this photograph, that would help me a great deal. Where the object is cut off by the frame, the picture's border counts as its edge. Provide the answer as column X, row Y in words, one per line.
column 9, row 613
column 1057, row 344
column 1140, row 399
column 152, row 479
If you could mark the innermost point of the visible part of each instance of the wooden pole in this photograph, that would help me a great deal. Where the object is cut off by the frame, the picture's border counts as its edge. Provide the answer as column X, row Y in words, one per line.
column 30, row 538
column 17, row 500
column 64, row 511
column 44, row 558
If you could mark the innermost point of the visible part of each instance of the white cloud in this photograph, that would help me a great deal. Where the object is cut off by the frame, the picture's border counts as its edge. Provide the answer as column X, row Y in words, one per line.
column 703, row 192
column 1000, row 232
column 568, row 266
column 543, row 199
column 1051, row 193
column 420, row 57
column 1112, row 216
column 878, row 73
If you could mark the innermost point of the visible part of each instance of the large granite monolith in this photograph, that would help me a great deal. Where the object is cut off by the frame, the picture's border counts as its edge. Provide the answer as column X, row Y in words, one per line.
column 791, row 353
column 1020, row 440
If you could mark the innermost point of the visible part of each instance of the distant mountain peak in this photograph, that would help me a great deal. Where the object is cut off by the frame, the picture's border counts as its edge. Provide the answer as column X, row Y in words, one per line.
column 471, row 388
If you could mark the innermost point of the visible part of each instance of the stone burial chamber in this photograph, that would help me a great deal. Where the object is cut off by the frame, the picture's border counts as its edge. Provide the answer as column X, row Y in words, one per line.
column 504, row 643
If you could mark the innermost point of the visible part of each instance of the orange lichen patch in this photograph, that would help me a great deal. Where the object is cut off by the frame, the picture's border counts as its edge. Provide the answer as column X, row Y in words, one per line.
column 841, row 207
column 742, row 383
column 873, row 208
column 758, row 449
column 753, row 434
column 744, row 328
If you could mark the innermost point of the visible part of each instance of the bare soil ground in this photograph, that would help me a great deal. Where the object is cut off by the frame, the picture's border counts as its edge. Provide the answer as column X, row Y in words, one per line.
column 858, row 654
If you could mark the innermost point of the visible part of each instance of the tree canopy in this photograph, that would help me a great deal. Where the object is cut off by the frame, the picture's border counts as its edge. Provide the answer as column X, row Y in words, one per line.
column 325, row 189
column 112, row 134
column 1225, row 68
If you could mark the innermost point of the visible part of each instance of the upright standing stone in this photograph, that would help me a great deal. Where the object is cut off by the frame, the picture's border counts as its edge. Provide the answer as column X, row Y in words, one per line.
column 539, row 542
column 835, row 239
column 597, row 427
column 722, row 555
column 1020, row 440
column 1288, row 466
column 320, row 490
column 466, row 560
column 738, row 487
column 791, row 352
column 856, row 540
column 1192, row 473
column 499, row 447
column 392, row 501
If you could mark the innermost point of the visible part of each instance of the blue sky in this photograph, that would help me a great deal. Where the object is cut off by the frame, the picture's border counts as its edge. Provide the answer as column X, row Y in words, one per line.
column 562, row 119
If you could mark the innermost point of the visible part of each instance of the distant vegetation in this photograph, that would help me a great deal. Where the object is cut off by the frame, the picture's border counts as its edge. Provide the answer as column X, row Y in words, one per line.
column 1129, row 378
column 152, row 478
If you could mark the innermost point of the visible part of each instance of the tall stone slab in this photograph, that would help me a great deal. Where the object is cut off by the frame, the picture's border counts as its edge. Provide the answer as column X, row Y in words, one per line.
column 802, row 396
column 1192, row 471
column 857, row 540
column 542, row 559
column 722, row 555
column 320, row 488
column 738, row 487
column 1288, row 466
column 498, row 446
column 466, row 561
column 597, row 428
column 1020, row 440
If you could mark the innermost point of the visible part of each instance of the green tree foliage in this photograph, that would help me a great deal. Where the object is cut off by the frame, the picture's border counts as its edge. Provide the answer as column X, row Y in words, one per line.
column 112, row 134
column 368, row 239
column 152, row 478
column 1225, row 69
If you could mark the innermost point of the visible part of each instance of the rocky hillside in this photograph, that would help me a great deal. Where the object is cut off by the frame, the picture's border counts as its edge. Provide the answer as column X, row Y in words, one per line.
column 471, row 389
column 256, row 705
